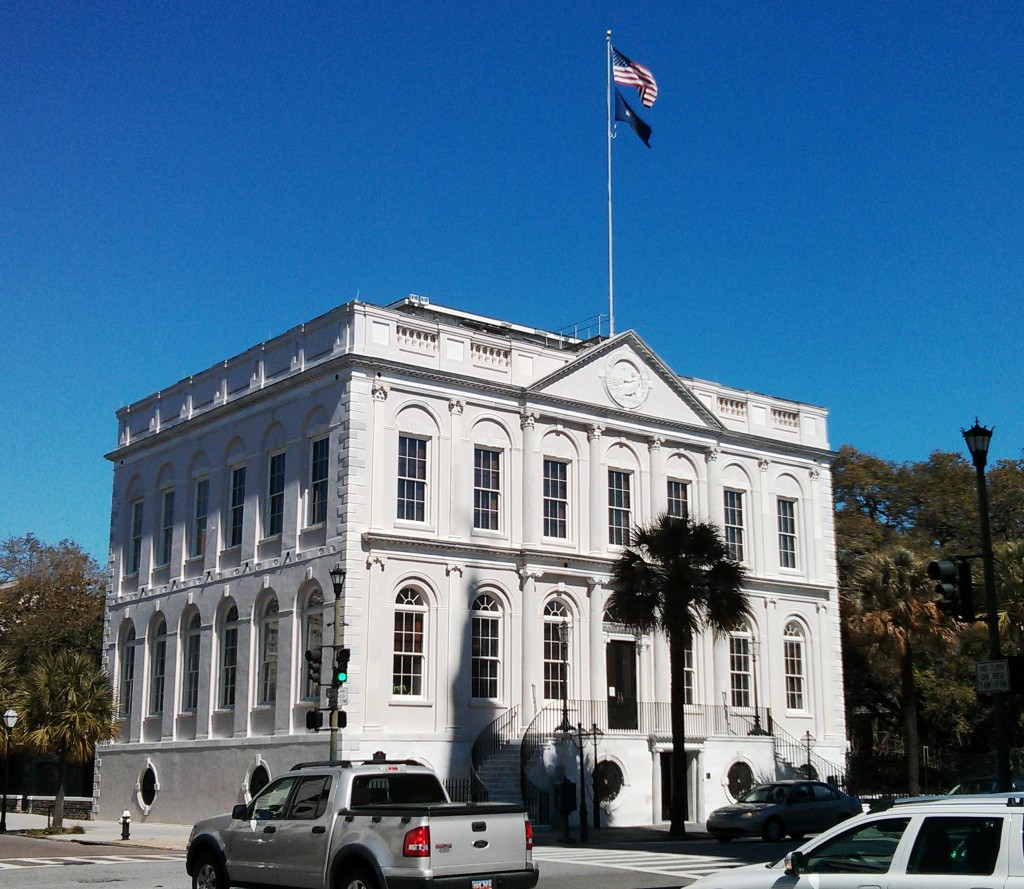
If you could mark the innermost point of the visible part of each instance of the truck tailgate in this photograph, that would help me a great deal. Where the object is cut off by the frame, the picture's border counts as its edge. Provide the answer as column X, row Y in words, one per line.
column 477, row 839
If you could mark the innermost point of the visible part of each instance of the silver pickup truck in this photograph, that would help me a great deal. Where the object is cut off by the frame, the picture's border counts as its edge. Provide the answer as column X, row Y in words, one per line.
column 375, row 825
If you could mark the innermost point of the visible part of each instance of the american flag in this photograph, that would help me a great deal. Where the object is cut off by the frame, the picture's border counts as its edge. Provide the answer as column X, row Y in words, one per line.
column 631, row 73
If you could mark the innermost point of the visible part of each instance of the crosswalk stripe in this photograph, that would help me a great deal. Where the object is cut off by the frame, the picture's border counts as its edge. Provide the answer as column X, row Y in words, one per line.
column 70, row 860
column 662, row 863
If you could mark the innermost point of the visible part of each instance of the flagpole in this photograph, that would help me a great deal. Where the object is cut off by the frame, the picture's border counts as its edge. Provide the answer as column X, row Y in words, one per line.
column 611, row 290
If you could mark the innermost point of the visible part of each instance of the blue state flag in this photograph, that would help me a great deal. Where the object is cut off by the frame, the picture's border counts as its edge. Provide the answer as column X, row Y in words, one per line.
column 624, row 113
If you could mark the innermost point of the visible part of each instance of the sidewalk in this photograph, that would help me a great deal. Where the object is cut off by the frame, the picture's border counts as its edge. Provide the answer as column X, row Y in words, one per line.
column 174, row 837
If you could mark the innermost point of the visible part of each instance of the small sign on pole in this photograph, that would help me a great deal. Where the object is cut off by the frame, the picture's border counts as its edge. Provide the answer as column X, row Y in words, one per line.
column 332, row 697
column 993, row 676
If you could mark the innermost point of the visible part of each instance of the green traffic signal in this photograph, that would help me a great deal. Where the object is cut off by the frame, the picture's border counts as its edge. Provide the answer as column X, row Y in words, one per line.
column 341, row 658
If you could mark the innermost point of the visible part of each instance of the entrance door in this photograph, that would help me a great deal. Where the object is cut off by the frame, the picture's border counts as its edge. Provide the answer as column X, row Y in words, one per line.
column 620, row 660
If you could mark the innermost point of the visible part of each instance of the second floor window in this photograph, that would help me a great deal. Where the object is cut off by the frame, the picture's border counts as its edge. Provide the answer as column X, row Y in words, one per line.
column 412, row 478
column 200, row 517
column 486, row 488
column 556, row 498
column 236, row 509
column 787, row 533
column 190, row 665
column 229, row 659
column 166, row 527
column 135, row 543
column 275, row 496
column 678, row 499
column 318, row 481
column 158, row 667
column 409, row 649
column 486, row 668
column 620, row 507
column 734, row 525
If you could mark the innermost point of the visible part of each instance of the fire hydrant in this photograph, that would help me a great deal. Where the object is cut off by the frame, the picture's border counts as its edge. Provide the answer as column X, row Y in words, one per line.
column 126, row 820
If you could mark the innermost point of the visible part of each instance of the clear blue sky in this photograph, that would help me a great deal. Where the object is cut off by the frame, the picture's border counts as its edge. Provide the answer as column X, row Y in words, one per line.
column 831, row 210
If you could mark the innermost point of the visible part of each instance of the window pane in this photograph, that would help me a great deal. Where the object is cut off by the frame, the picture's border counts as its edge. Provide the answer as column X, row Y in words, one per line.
column 166, row 527
column 412, row 478
column 678, row 499
column 237, row 507
column 734, row 525
column 199, row 518
column 486, row 488
column 318, row 482
column 275, row 496
column 556, row 498
column 619, row 507
column 135, row 544
column 787, row 533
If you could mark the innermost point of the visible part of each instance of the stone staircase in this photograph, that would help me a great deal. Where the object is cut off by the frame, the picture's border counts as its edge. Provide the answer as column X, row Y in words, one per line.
column 500, row 774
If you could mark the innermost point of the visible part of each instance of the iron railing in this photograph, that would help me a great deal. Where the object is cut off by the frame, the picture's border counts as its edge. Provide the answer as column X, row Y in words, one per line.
column 503, row 730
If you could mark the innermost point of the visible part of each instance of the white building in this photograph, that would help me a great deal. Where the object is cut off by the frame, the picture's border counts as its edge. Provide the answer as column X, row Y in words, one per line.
column 476, row 480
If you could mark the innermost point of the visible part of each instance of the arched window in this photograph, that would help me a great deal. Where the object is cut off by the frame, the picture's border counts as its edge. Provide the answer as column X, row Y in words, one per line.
column 556, row 650
column 312, row 637
column 190, row 664
column 157, row 666
column 127, row 685
column 410, row 651
column 486, row 668
column 740, row 667
column 229, row 659
column 793, row 661
column 269, row 623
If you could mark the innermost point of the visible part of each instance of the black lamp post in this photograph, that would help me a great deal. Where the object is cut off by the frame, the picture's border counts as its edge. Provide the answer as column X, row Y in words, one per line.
column 10, row 720
column 338, row 583
column 584, row 834
column 757, row 729
column 978, row 438
column 563, row 637
column 597, row 733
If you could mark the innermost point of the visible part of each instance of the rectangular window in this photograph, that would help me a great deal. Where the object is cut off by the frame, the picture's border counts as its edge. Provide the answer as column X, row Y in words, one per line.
column 787, row 533
column 275, row 496
column 486, row 488
column 318, row 481
column 200, row 517
column 166, row 527
column 190, row 695
column 135, row 543
column 408, row 663
column 678, row 499
column 237, row 506
column 486, row 654
column 128, row 676
column 734, row 525
column 689, row 675
column 619, row 507
column 229, row 668
column 793, row 664
column 412, row 478
column 268, row 661
column 556, row 657
column 739, row 671
column 156, row 702
column 556, row 499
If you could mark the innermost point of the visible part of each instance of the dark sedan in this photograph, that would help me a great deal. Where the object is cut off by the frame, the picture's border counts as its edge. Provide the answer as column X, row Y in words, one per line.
column 771, row 811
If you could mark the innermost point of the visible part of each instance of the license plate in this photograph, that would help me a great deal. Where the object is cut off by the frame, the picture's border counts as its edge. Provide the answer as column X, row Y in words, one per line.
column 480, row 884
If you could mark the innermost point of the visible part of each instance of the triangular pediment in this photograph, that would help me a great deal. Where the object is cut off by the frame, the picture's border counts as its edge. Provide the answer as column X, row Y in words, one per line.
column 623, row 374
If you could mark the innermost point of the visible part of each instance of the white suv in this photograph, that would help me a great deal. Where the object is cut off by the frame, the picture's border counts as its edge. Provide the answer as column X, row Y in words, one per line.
column 963, row 841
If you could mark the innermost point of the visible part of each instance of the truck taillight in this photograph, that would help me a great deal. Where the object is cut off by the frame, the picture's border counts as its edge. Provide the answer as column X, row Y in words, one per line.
column 417, row 843
column 529, row 835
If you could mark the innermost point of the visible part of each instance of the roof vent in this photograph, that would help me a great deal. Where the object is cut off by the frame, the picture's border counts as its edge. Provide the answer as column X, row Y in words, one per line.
column 419, row 300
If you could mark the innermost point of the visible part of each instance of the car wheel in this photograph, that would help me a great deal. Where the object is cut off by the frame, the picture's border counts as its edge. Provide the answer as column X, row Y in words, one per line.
column 209, row 874
column 773, row 831
column 359, row 878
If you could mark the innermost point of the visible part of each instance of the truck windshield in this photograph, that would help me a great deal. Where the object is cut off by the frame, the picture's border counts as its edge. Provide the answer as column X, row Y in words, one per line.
column 379, row 790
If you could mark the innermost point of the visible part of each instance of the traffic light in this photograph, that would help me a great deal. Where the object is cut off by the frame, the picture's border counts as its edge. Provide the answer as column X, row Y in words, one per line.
column 341, row 657
column 342, row 719
column 314, row 720
column 956, row 592
column 314, row 664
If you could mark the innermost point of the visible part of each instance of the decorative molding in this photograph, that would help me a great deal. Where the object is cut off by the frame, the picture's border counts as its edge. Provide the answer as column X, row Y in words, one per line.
column 655, row 442
column 456, row 406
column 527, row 420
column 815, row 473
column 763, row 463
column 380, row 390
column 714, row 454
column 372, row 560
column 594, row 431
column 451, row 568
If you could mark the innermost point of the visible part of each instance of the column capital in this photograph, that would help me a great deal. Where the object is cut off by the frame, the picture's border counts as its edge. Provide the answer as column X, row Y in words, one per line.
column 380, row 390
column 713, row 454
column 763, row 463
column 526, row 574
column 596, row 581
column 594, row 431
column 456, row 405
column 527, row 420
column 655, row 442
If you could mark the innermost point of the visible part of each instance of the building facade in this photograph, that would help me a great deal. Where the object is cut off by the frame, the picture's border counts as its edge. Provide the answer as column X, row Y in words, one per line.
column 476, row 481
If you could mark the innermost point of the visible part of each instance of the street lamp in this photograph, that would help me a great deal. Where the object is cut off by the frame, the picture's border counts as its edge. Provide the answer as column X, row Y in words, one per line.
column 563, row 637
column 10, row 720
column 978, row 438
column 597, row 733
column 584, row 835
column 757, row 729
column 338, row 583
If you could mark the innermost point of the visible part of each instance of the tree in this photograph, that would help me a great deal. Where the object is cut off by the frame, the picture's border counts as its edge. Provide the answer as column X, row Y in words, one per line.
column 69, row 709
column 676, row 576
column 890, row 611
column 51, row 597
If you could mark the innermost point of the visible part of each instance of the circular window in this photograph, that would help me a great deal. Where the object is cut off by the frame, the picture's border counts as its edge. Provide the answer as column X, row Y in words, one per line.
column 147, row 787
column 607, row 780
column 258, row 779
column 741, row 779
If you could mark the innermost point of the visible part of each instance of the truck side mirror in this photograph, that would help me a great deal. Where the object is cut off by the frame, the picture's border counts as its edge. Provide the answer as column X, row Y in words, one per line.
column 795, row 863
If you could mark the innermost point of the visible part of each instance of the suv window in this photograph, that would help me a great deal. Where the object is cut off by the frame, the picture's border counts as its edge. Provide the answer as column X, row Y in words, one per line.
column 310, row 799
column 824, row 794
column 271, row 802
column 956, row 845
column 401, row 787
column 866, row 849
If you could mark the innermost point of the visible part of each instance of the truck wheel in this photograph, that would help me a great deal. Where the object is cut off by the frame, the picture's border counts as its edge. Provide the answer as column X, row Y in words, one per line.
column 358, row 878
column 209, row 874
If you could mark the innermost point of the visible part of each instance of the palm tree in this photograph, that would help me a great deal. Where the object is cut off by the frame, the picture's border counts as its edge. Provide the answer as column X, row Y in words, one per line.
column 70, row 708
column 893, row 609
column 676, row 576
